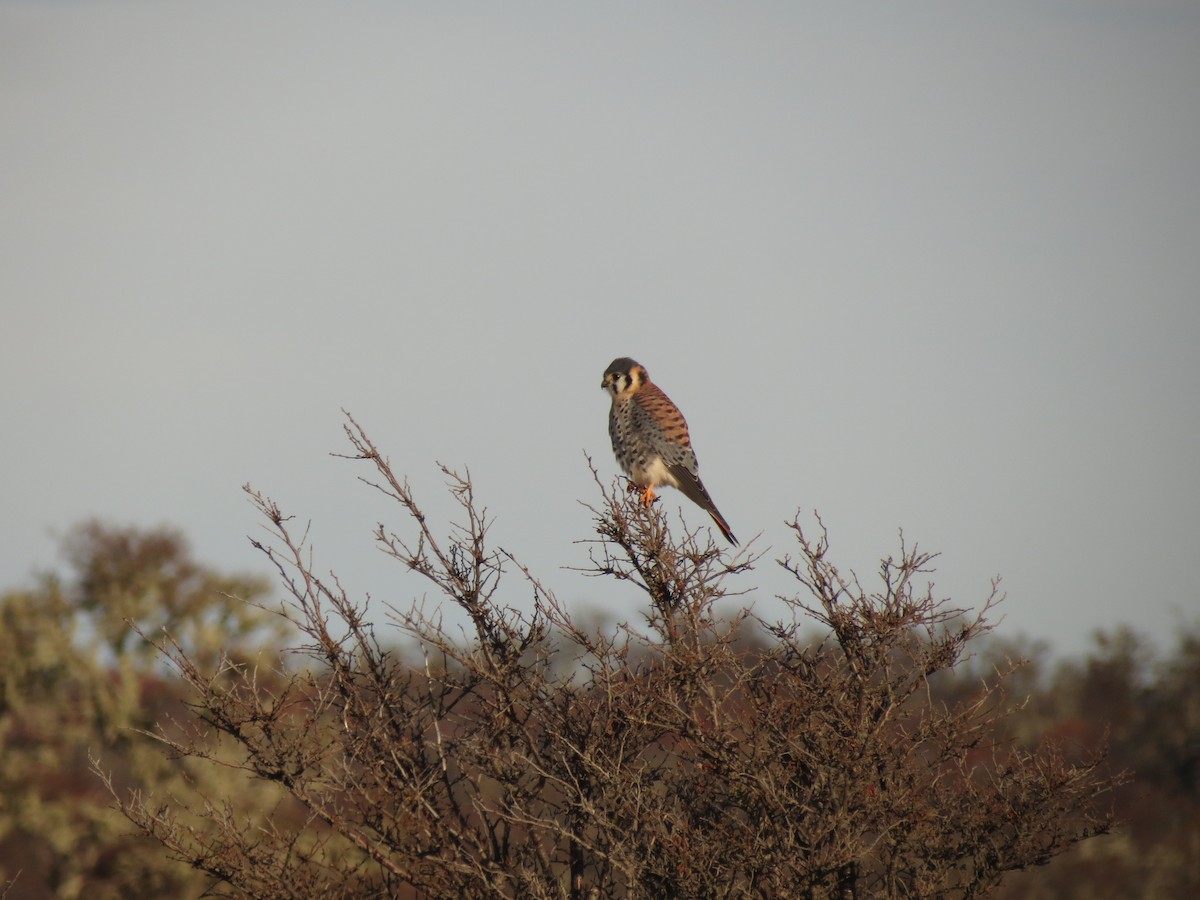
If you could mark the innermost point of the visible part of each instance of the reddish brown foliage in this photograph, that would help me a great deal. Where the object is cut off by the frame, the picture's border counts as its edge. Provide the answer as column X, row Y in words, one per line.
column 546, row 758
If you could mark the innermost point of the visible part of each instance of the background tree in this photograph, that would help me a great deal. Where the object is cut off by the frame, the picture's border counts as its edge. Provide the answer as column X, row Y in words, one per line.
column 74, row 679
column 1150, row 708
column 678, row 758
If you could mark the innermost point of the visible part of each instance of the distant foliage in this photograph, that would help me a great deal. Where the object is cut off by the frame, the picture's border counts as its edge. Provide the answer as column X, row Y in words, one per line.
column 1149, row 711
column 75, row 680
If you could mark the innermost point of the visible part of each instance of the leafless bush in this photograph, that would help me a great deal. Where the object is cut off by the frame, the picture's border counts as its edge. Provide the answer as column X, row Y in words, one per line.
column 679, row 757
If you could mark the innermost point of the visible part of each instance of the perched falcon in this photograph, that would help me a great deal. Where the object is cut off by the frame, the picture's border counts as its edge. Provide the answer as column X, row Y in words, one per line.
column 650, row 438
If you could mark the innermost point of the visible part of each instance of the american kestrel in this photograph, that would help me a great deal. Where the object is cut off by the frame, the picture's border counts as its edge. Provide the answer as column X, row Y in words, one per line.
column 650, row 438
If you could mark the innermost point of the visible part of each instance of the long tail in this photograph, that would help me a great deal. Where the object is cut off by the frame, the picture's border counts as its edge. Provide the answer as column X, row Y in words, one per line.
column 693, row 489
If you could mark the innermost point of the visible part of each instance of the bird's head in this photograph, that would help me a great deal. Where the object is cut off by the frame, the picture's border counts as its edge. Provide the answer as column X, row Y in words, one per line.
column 623, row 376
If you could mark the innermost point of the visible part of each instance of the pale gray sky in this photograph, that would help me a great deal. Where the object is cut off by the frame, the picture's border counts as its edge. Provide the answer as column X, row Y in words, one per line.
column 924, row 265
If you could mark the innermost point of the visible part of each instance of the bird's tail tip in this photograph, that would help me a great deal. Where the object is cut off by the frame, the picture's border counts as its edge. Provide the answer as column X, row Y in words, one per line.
column 723, row 527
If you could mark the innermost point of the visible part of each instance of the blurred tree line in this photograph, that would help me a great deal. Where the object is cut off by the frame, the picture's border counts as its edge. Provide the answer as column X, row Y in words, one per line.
column 218, row 762
column 77, row 682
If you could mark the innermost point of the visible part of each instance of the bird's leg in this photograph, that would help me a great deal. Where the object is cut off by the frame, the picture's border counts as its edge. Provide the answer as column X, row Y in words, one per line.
column 648, row 495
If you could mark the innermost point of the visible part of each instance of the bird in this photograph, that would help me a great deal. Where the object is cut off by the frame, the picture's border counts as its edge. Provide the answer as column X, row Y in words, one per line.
column 650, row 438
